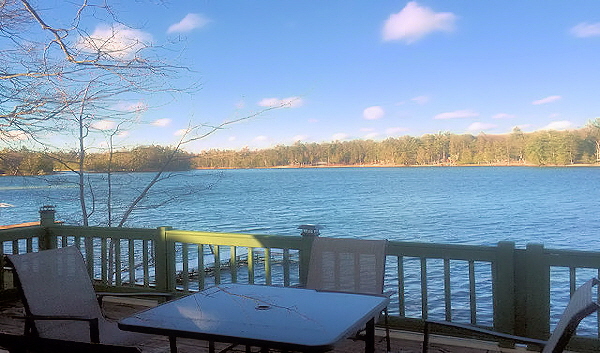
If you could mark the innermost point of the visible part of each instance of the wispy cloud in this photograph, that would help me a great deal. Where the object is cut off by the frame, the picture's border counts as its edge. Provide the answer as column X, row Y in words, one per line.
column 373, row 113
column 339, row 136
column 290, row 102
column 261, row 138
column 134, row 107
column 415, row 22
column 190, row 22
column 298, row 138
column 546, row 100
column 161, row 122
column 503, row 116
column 395, row 130
column 15, row 135
column 558, row 125
column 458, row 114
column 116, row 41
column 421, row 100
column 181, row 132
column 371, row 135
column 479, row 126
column 104, row 125
column 584, row 30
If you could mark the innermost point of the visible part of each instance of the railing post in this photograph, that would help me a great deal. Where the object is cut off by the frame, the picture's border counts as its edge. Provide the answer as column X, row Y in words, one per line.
column 47, row 220
column 309, row 232
column 504, row 288
column 533, row 288
column 165, row 261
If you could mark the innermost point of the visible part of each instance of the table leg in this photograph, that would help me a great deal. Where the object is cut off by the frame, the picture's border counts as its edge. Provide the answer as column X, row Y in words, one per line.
column 173, row 344
column 370, row 336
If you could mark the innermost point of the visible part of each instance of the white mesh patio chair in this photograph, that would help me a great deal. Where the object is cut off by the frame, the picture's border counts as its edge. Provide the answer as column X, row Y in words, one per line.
column 60, row 301
column 349, row 265
column 580, row 305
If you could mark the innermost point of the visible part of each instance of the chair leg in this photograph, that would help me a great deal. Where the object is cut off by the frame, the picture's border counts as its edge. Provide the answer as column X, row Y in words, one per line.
column 387, row 330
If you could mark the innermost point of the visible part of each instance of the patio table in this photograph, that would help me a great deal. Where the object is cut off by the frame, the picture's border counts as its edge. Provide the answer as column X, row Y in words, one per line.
column 263, row 316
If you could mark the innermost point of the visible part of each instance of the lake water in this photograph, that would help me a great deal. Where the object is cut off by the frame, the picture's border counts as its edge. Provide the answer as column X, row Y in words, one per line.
column 558, row 207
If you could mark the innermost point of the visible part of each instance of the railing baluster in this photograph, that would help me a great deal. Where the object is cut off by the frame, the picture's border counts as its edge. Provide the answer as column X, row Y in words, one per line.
column 447, row 291
column 185, row 271
column 472, row 296
column 146, row 263
column 201, row 272
column 401, row 300
column 118, row 272
column 251, row 265
column 131, row 257
column 286, row 267
column 268, row 275
column 29, row 244
column 217, row 265
column 104, row 261
column 572, row 280
column 233, row 263
column 424, row 304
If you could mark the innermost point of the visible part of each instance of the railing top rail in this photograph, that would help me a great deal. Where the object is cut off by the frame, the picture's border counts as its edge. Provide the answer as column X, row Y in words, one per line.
column 236, row 239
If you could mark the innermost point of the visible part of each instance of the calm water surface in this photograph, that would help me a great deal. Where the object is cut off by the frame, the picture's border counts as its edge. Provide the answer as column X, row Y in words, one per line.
column 558, row 207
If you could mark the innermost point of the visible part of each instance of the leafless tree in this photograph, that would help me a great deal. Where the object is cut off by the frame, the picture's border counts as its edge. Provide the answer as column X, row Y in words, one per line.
column 69, row 81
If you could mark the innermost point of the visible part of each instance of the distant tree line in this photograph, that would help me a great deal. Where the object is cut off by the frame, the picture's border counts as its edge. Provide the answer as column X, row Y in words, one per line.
column 139, row 159
column 548, row 147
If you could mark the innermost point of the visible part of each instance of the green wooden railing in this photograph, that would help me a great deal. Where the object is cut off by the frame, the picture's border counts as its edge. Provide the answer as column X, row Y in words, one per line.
column 519, row 291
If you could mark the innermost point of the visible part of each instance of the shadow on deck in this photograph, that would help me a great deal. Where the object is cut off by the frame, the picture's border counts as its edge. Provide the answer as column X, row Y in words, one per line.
column 402, row 342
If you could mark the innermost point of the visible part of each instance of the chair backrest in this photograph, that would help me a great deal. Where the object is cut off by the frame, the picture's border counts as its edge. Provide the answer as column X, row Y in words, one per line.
column 55, row 282
column 581, row 305
column 347, row 265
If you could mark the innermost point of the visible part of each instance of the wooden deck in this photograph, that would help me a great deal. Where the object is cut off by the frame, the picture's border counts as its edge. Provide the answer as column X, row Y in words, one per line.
column 402, row 342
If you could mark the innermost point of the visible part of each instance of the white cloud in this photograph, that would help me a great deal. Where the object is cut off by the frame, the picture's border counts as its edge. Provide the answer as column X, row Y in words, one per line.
column 161, row 122
column 584, row 30
column 123, row 134
column 479, row 126
column 558, row 125
column 232, row 138
column 313, row 120
column 134, row 107
column 190, row 22
column 371, row 136
column 373, row 113
column 300, row 138
column 104, row 125
column 118, row 41
column 503, row 116
column 395, row 130
column 546, row 100
column 421, row 100
column 458, row 114
column 414, row 22
column 290, row 102
column 181, row 132
column 261, row 138
column 15, row 135
column 339, row 136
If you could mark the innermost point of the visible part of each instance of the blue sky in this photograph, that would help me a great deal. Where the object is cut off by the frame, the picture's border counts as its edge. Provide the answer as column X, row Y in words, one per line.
column 373, row 69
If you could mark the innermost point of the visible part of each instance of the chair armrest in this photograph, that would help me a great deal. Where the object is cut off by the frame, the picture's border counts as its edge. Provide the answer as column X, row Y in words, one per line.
column 92, row 321
column 479, row 331
column 101, row 295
